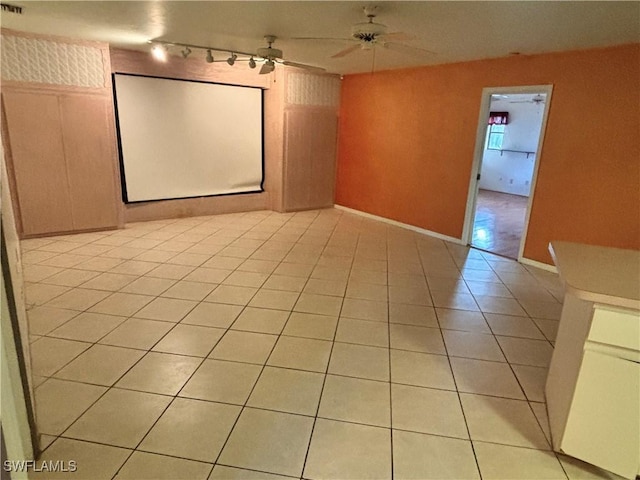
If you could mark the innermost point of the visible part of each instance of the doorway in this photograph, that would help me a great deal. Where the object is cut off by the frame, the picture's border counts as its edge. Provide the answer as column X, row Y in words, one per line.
column 510, row 132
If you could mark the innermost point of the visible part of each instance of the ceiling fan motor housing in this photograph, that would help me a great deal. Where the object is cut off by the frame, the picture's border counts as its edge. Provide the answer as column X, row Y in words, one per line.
column 368, row 31
column 269, row 52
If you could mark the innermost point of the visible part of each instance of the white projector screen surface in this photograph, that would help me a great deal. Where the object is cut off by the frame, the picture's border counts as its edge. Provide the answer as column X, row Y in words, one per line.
column 181, row 139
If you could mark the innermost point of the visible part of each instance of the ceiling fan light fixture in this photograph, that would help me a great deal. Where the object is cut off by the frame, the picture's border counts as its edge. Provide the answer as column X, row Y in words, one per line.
column 232, row 59
column 186, row 52
column 209, row 57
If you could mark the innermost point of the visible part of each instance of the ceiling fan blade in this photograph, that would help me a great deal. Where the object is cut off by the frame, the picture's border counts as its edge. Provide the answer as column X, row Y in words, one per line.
column 397, row 36
column 302, row 65
column 407, row 49
column 325, row 39
column 346, row 51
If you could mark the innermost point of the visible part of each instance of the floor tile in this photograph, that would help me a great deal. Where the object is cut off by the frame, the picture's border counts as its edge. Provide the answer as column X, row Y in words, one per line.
column 488, row 289
column 301, row 353
column 501, row 461
column 88, row 327
column 285, row 283
column 275, row 386
column 360, row 361
column 533, row 380
column 362, row 332
column 319, row 304
column 522, row 351
column 208, row 275
column 49, row 355
column 365, row 309
column 268, row 441
column 414, row 409
column 59, row 403
column 366, row 291
column 93, row 461
column 501, row 420
column 134, row 267
column 161, row 373
column 319, row 286
column 505, row 306
column 486, row 378
column 173, row 272
column 421, row 457
column 68, row 278
column 462, row 320
column 43, row 320
column 248, row 347
column 221, row 472
column 109, row 281
column 549, row 328
column 231, row 294
column 457, row 301
column 187, row 290
column 579, row 470
column 245, row 279
column 137, row 333
column 412, row 295
column 472, row 345
column 421, row 369
column 123, row 304
column 548, row 310
column 100, row 365
column 166, row 309
column 148, row 286
column 512, row 326
column 346, row 450
column 148, row 466
column 77, row 299
column 356, row 400
column 120, row 418
column 412, row 315
column 417, row 339
column 220, row 381
column 261, row 320
column 192, row 429
column 311, row 325
column 190, row 340
column 212, row 315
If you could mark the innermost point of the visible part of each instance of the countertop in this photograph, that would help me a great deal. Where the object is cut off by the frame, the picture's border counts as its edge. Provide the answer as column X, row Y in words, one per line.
column 596, row 274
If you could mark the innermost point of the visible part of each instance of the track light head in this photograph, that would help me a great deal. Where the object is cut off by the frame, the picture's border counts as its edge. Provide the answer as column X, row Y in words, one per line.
column 159, row 52
column 232, row 59
column 267, row 67
column 186, row 52
column 252, row 63
column 209, row 57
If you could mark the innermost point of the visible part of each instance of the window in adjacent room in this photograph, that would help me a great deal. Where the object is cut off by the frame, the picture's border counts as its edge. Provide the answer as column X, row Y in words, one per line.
column 495, row 136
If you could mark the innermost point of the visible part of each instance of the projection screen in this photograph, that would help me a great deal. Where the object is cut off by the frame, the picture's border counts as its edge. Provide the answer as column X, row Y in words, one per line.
column 182, row 139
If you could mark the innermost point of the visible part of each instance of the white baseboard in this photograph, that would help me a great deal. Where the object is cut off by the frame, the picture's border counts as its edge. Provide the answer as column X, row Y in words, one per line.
column 401, row 225
column 540, row 265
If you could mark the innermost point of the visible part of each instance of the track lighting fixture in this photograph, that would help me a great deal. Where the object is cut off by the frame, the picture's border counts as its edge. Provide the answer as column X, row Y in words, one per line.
column 209, row 57
column 267, row 67
column 232, row 59
column 186, row 52
column 252, row 63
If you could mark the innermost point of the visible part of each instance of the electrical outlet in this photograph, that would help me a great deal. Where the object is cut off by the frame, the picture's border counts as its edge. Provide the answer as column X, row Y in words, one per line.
column 526, row 183
column 511, row 181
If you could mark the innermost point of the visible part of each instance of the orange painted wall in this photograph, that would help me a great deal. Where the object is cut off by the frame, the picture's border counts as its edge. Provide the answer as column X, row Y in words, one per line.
column 406, row 145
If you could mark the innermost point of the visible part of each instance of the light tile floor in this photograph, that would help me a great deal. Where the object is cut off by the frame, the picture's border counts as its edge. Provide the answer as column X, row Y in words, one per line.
column 308, row 345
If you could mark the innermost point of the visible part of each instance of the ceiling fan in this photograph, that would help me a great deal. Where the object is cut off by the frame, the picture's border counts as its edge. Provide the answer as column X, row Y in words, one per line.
column 369, row 34
column 536, row 99
column 268, row 55
column 271, row 56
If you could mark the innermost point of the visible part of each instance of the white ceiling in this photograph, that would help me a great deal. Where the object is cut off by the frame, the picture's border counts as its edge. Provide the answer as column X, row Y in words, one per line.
column 456, row 31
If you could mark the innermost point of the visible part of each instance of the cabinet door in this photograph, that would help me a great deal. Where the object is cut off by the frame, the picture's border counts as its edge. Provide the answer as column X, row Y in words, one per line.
column 37, row 153
column 86, row 132
column 323, row 158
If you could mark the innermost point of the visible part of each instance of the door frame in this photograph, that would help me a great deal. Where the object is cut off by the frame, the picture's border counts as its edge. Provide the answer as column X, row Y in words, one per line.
column 481, row 132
